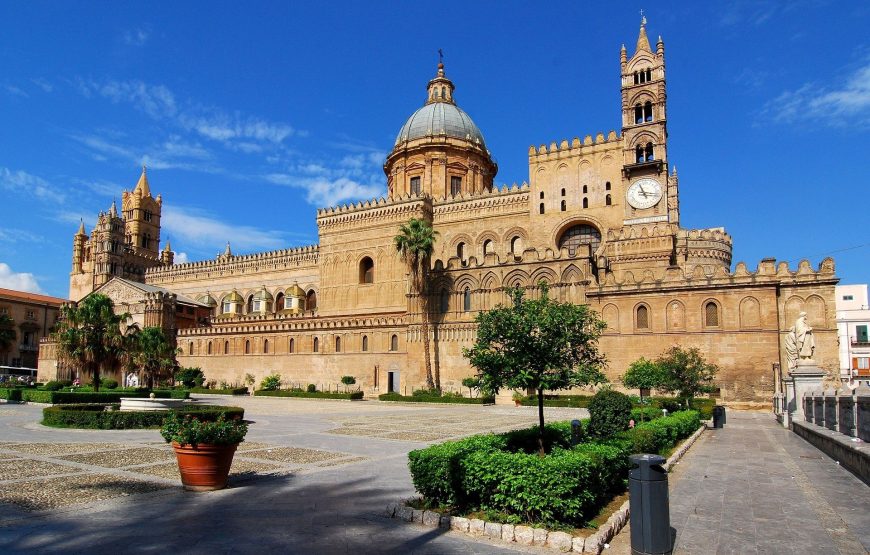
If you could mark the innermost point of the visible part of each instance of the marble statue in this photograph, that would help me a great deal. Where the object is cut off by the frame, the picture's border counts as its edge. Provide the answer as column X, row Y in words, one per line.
column 799, row 343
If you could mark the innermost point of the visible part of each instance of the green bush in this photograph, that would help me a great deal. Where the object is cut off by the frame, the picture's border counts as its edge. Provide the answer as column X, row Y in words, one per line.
column 311, row 388
column 189, row 430
column 109, row 384
column 447, row 398
column 52, row 386
column 353, row 396
column 190, row 377
column 645, row 413
column 228, row 391
column 67, row 397
column 609, row 413
column 659, row 435
column 704, row 407
column 95, row 416
column 271, row 382
column 13, row 395
column 569, row 401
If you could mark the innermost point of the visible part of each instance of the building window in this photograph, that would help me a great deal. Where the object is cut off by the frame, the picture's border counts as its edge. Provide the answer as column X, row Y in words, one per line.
column 564, row 206
column 848, row 297
column 265, row 346
column 316, row 345
column 541, row 208
column 862, row 363
column 455, row 185
column 394, row 343
column 30, row 315
column 337, row 344
column 148, row 215
column 227, row 307
column 541, row 195
column 516, row 246
column 250, row 304
column 585, row 189
column 563, row 192
column 311, row 300
column 607, row 186
column 466, row 300
column 642, row 318
column 444, row 304
column 365, row 343
column 190, row 347
column 647, row 112
column 487, row 247
column 649, row 152
column 582, row 234
column 415, row 185
column 366, row 270
column 649, row 74
column 291, row 346
column 607, row 200
column 247, row 347
column 226, row 347
column 209, row 348
column 460, row 251
column 638, row 114
column 585, row 202
column 711, row 314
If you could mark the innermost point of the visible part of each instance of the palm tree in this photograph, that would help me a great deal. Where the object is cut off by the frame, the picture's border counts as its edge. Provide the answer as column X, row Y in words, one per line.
column 7, row 335
column 415, row 243
column 154, row 354
column 88, row 334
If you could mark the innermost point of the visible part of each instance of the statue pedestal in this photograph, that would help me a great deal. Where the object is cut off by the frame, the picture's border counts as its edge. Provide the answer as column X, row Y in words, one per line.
column 806, row 376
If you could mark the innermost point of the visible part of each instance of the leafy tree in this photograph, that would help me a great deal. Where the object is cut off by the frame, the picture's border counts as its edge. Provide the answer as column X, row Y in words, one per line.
column 271, row 382
column 7, row 334
column 471, row 383
column 609, row 412
column 415, row 243
column 348, row 381
column 686, row 372
column 88, row 335
column 538, row 344
column 190, row 377
column 643, row 374
column 154, row 354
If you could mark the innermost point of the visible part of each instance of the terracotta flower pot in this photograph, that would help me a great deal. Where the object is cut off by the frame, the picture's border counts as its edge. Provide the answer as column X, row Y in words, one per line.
column 204, row 467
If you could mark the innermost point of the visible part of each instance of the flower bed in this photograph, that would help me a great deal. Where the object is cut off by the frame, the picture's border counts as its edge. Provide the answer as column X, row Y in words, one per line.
column 95, row 416
column 352, row 396
column 436, row 399
column 501, row 474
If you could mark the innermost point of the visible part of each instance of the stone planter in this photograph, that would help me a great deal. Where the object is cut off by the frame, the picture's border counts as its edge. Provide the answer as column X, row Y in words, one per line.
column 204, row 467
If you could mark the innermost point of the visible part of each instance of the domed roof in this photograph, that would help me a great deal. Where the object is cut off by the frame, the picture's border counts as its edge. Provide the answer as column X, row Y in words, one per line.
column 441, row 119
column 234, row 297
column 263, row 295
column 295, row 291
column 207, row 299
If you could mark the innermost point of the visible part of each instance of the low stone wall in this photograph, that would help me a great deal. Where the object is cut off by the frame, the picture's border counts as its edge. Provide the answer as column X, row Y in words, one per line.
column 852, row 455
column 527, row 535
column 840, row 410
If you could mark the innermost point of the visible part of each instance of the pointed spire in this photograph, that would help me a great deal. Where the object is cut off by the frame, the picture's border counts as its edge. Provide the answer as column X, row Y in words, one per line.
column 81, row 230
column 167, row 248
column 642, row 40
column 228, row 251
column 142, row 187
column 660, row 46
column 113, row 211
column 623, row 55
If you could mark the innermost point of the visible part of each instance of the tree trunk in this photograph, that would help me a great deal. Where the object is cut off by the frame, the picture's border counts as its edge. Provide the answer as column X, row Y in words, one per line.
column 541, row 451
column 429, row 382
column 96, row 374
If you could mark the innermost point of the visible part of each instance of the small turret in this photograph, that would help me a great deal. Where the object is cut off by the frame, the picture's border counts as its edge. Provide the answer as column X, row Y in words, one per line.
column 167, row 257
column 660, row 47
column 440, row 88
column 623, row 56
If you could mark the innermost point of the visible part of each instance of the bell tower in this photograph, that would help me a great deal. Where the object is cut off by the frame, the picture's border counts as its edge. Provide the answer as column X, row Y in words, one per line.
column 645, row 133
column 142, row 218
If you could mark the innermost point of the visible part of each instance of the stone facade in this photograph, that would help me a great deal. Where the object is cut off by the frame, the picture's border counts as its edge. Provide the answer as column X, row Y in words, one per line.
column 33, row 317
column 599, row 221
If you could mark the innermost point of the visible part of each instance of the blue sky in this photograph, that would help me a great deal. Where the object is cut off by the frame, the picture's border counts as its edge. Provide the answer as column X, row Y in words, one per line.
column 250, row 115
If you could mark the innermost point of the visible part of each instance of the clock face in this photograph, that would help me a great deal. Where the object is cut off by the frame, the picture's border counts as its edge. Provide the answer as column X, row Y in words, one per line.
column 644, row 193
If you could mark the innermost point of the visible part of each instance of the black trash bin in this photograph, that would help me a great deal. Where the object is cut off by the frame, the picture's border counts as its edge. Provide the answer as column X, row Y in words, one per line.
column 718, row 416
column 649, row 506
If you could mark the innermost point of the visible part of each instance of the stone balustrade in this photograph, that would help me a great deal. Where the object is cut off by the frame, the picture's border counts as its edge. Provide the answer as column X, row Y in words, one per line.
column 841, row 410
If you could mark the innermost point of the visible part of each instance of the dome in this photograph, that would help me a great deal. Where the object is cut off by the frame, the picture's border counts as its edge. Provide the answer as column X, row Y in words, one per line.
column 207, row 299
column 440, row 119
column 263, row 295
column 294, row 291
column 234, row 297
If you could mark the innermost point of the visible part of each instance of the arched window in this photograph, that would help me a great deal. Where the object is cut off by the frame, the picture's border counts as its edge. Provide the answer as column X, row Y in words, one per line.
column 315, row 346
column 265, row 346
column 291, row 346
column 442, row 92
column 585, row 189
column 636, row 78
column 649, row 152
column 444, row 300
column 226, row 347
column 250, row 304
column 647, row 111
column 711, row 315
column 541, row 195
column 460, row 251
column 337, row 344
column 366, row 270
column 564, row 206
column 487, row 247
column 365, row 343
column 563, row 191
column 279, row 301
column 516, row 245
column 585, row 202
column 311, row 300
column 638, row 114
column 607, row 186
column 394, row 343
column 247, row 347
column 608, row 200
column 190, row 347
column 649, row 75
column 466, row 299
column 642, row 318
column 638, row 154
column 581, row 234
column 415, row 185
column 209, row 347
column 541, row 208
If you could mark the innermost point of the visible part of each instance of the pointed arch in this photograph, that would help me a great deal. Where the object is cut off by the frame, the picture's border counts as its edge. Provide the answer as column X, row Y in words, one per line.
column 610, row 314
column 676, row 315
column 750, row 313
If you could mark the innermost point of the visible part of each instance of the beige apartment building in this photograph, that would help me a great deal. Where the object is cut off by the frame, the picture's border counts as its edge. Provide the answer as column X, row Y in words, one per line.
column 33, row 317
column 598, row 220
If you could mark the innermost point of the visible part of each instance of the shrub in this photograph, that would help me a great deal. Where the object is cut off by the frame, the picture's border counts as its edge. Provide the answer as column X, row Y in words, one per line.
column 609, row 413
column 187, row 430
column 52, row 386
column 311, row 388
column 657, row 436
column 13, row 395
column 447, row 398
column 573, row 401
column 353, row 395
column 96, row 416
column 348, row 380
column 109, row 384
column 215, row 391
column 271, row 382
column 190, row 377
column 645, row 413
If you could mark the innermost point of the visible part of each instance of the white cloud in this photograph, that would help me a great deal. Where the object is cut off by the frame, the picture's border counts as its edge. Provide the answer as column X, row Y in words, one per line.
column 136, row 37
column 225, row 128
column 43, row 84
column 181, row 258
column 20, row 236
column 155, row 100
column 325, row 191
column 848, row 102
column 15, row 91
column 19, row 281
column 24, row 183
column 200, row 229
column 171, row 153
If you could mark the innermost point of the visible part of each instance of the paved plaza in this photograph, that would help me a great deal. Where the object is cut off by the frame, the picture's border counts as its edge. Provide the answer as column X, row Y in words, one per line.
column 313, row 477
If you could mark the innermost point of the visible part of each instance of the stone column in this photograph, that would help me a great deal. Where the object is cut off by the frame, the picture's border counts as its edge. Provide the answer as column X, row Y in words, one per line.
column 807, row 376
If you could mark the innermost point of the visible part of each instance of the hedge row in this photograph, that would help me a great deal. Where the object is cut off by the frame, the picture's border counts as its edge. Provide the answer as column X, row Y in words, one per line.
column 672, row 404
column 496, row 472
column 436, row 399
column 95, row 416
column 353, row 396
column 66, row 397
column 227, row 391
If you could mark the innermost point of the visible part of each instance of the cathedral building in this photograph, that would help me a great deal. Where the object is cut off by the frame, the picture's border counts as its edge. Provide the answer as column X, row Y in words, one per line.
column 598, row 220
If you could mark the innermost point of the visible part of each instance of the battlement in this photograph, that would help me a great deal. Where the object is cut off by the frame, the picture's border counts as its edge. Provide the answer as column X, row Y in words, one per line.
column 397, row 208
column 284, row 258
column 292, row 322
column 576, row 147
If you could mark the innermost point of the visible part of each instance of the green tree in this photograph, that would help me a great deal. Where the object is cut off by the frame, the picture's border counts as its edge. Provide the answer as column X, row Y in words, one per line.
column 643, row 374
column 348, row 381
column 538, row 344
column 686, row 372
column 472, row 383
column 154, row 354
column 415, row 243
column 88, row 335
column 7, row 335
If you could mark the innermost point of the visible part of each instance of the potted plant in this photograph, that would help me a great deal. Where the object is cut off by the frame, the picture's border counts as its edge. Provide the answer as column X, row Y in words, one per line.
column 204, row 449
column 518, row 398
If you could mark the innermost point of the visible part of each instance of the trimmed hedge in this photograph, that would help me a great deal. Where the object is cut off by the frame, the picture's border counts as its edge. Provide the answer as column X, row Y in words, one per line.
column 570, row 401
column 436, row 399
column 501, row 472
column 227, row 391
column 68, row 397
column 95, row 416
column 353, row 396
column 703, row 405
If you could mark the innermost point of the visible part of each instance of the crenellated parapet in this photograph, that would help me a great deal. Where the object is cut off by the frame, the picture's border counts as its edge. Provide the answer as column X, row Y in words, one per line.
column 588, row 146
column 287, row 322
column 397, row 209
column 298, row 257
column 507, row 200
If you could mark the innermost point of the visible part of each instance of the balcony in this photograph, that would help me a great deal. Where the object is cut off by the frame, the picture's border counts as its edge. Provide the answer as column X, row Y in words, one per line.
column 28, row 348
column 859, row 341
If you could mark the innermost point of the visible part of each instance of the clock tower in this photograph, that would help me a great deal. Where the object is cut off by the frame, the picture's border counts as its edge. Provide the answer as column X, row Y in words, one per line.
column 651, row 195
